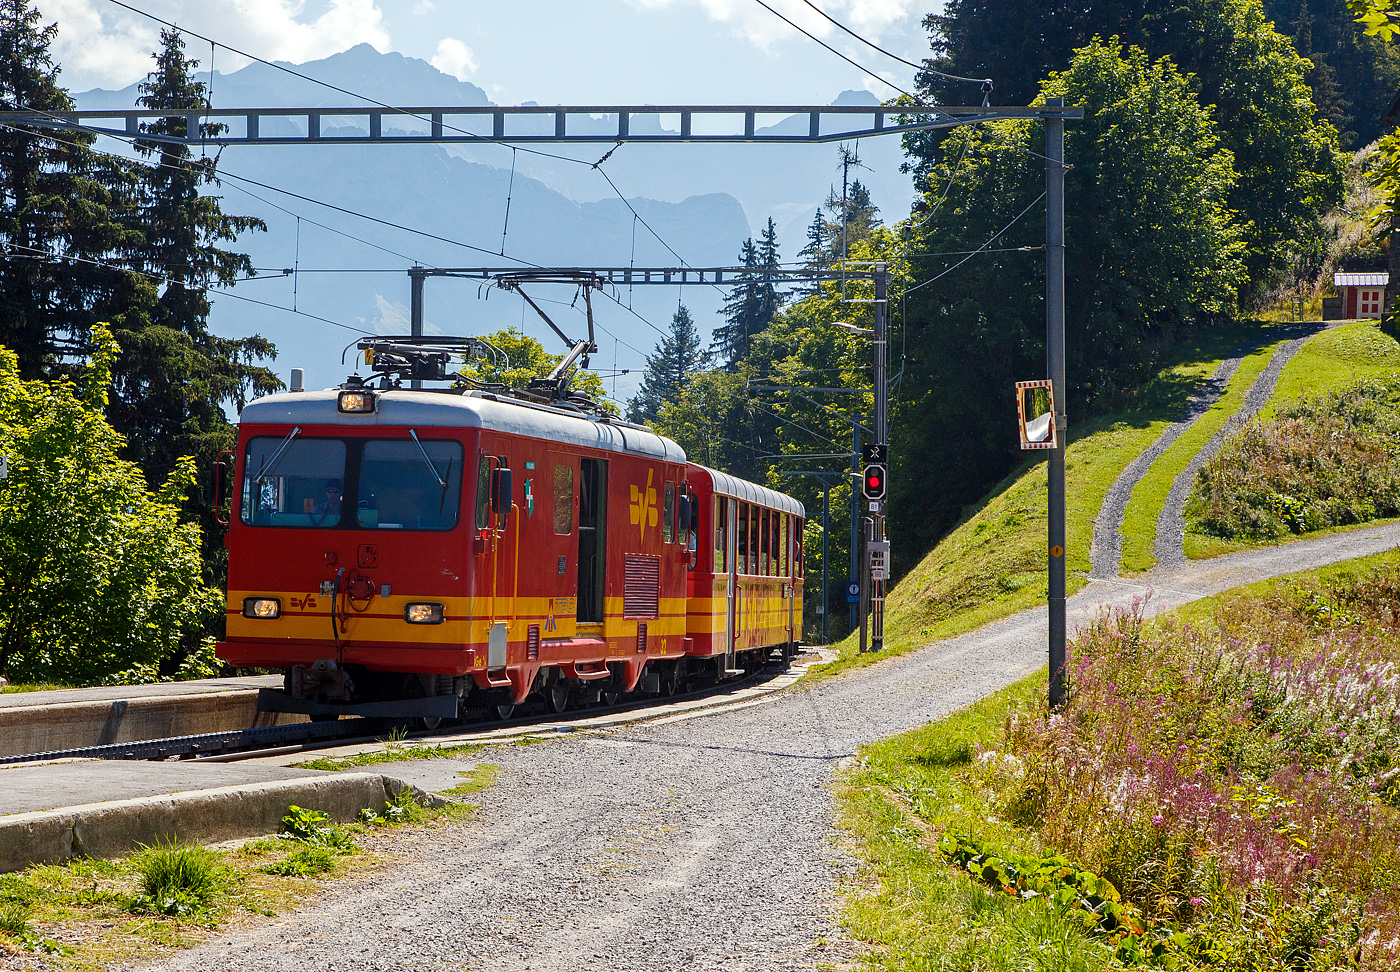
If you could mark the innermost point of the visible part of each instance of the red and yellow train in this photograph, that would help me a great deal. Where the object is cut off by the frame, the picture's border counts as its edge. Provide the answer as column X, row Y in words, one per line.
column 422, row 554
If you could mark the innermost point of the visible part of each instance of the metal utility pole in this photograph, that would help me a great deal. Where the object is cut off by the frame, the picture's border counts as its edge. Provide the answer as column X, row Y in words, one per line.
column 877, row 512
column 415, row 312
column 1055, row 352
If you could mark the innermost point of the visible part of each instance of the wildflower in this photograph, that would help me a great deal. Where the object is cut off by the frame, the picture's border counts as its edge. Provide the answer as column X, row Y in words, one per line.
column 1158, row 821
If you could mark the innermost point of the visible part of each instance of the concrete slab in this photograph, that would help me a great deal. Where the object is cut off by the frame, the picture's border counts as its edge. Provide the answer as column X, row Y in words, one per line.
column 46, row 722
column 115, row 693
column 28, row 787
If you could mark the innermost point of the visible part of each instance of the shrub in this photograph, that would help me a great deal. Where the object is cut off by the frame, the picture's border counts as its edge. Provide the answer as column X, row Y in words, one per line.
column 176, row 879
column 1323, row 462
column 1236, row 776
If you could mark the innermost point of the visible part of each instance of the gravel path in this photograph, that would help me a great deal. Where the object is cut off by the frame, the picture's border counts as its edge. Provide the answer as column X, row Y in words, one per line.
column 1171, row 522
column 694, row 843
column 1106, row 548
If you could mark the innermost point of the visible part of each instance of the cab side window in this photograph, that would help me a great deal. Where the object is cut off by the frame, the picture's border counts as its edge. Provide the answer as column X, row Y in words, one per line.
column 563, row 500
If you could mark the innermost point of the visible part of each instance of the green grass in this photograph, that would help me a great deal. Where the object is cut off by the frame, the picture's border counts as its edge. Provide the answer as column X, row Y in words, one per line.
column 918, row 912
column 1335, row 359
column 1150, row 494
column 476, row 779
column 34, row 687
column 85, row 915
column 394, row 752
column 993, row 564
column 1330, row 361
column 915, row 910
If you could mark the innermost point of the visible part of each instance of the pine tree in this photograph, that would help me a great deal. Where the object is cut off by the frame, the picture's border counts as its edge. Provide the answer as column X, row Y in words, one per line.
column 753, row 301
column 61, row 214
column 174, row 377
column 730, row 341
column 678, row 358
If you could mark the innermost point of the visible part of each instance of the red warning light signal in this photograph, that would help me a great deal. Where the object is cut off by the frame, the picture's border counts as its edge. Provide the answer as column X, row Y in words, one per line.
column 873, row 482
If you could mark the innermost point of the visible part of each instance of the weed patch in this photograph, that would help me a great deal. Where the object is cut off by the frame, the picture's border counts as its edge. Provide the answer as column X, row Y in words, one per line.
column 1322, row 462
column 1220, row 791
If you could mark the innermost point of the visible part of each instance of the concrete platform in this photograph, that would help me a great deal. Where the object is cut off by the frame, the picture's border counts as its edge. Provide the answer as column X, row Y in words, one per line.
column 45, row 819
column 45, row 722
column 53, row 811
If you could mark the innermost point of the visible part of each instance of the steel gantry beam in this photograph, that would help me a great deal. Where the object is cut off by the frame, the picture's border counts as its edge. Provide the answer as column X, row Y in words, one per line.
column 523, row 124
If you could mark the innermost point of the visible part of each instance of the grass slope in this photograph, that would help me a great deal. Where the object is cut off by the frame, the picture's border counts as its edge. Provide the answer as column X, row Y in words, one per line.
column 1150, row 494
column 993, row 564
column 964, row 774
column 1330, row 361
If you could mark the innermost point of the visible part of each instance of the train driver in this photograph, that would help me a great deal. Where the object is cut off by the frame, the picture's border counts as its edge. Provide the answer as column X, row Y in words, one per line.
column 331, row 504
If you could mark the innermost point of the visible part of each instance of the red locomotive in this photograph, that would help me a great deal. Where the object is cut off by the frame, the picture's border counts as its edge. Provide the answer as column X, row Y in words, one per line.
column 425, row 553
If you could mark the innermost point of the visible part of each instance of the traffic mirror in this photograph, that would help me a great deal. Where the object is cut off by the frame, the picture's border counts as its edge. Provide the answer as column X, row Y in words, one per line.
column 1035, row 407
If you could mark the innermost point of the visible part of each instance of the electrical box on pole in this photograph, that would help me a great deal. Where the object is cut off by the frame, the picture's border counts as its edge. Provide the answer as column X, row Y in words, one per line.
column 879, row 560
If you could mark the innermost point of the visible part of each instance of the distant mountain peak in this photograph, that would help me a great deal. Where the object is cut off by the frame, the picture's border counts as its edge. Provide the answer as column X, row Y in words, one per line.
column 853, row 97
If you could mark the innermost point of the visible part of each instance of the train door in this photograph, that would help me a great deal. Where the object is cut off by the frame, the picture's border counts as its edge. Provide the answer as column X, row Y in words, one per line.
column 731, row 578
column 592, row 539
column 787, row 539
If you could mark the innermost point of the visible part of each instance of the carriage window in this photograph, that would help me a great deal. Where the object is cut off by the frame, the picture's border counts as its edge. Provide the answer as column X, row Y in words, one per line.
column 764, row 547
column 668, row 514
column 743, row 551
column 797, row 565
column 563, row 500
column 483, row 492
column 721, row 532
column 293, row 483
column 785, row 568
column 407, row 485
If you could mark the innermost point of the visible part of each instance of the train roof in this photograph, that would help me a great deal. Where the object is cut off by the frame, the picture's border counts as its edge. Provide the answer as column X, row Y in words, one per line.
column 470, row 409
column 727, row 485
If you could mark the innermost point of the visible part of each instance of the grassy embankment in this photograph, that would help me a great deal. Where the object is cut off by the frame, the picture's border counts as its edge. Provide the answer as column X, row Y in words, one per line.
column 1150, row 494
column 88, row 914
column 1331, row 361
column 993, row 563
column 1220, row 792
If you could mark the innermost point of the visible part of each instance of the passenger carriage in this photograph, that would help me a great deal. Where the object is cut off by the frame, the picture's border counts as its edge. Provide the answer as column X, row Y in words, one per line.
column 484, row 547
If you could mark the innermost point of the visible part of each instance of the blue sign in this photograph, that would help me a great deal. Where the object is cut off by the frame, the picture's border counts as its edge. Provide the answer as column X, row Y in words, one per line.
column 853, row 593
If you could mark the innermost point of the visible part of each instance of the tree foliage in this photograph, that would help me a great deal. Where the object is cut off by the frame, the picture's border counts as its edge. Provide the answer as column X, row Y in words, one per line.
column 520, row 358
column 1248, row 76
column 100, row 579
column 678, row 357
column 753, row 300
column 63, row 210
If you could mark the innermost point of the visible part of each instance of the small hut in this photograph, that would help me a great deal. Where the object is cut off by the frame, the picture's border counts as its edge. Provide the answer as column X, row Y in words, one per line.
column 1362, row 294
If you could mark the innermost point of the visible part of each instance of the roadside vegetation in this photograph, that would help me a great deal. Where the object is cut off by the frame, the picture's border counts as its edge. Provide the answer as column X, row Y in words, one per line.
column 1328, row 461
column 1150, row 495
column 86, row 914
column 993, row 563
column 1221, row 790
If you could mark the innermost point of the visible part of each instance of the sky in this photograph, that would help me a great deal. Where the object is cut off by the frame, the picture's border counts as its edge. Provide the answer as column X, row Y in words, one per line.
column 577, row 52
column 548, row 51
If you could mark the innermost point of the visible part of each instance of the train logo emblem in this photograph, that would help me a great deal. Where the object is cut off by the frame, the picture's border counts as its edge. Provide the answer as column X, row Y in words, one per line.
column 529, row 498
column 643, row 506
column 549, row 623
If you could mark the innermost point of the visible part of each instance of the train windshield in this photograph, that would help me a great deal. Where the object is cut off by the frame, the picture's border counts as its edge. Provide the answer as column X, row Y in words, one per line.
column 409, row 485
column 293, row 482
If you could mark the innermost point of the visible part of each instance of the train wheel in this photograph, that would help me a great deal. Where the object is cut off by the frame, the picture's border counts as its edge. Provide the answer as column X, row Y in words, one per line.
column 430, row 723
column 672, row 680
column 503, row 712
column 556, row 696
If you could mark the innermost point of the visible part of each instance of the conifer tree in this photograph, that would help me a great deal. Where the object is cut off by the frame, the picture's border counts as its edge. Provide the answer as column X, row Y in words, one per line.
column 174, row 377
column 753, row 300
column 62, row 209
column 678, row 358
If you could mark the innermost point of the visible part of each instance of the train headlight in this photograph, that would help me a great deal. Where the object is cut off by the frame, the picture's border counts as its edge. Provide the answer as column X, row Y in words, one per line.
column 423, row 614
column 263, row 608
column 355, row 402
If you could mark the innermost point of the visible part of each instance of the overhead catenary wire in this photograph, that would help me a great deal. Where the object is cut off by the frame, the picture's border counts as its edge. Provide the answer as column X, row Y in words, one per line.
column 305, row 77
column 856, row 64
column 869, row 43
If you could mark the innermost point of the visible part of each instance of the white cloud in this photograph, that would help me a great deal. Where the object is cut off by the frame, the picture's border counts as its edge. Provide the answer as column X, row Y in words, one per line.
column 100, row 44
column 455, row 58
column 752, row 22
column 424, row 7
